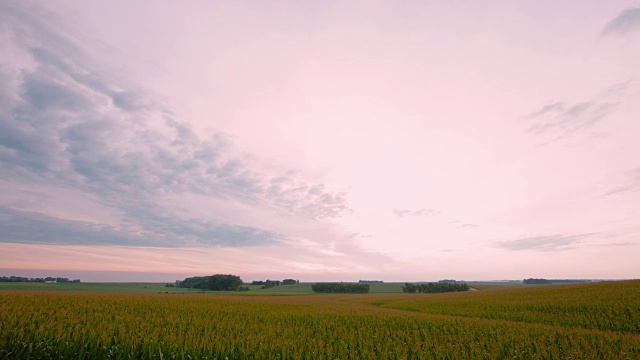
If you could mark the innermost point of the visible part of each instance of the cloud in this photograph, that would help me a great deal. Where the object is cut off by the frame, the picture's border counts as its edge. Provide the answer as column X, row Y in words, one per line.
column 543, row 243
column 561, row 120
column 627, row 21
column 66, row 122
column 32, row 227
column 630, row 184
column 419, row 212
column 618, row 244
column 619, row 87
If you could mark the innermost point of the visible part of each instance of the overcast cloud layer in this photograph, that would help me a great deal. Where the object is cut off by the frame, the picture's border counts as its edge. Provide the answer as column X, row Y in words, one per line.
column 400, row 141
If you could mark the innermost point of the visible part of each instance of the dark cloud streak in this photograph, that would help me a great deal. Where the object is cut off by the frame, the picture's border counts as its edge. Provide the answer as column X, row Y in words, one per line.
column 627, row 21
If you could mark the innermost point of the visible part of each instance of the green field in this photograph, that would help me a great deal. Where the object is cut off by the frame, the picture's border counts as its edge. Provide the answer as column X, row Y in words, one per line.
column 297, row 289
column 93, row 287
column 583, row 321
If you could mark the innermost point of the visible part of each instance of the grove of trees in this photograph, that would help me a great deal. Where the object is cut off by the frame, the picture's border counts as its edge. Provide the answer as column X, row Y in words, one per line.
column 273, row 283
column 340, row 287
column 218, row 282
column 536, row 281
column 439, row 287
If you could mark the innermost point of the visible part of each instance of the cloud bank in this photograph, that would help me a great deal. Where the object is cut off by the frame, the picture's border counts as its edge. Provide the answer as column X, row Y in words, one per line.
column 68, row 123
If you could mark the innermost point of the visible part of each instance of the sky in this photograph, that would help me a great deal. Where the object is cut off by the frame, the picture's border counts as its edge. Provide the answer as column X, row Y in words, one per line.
column 324, row 141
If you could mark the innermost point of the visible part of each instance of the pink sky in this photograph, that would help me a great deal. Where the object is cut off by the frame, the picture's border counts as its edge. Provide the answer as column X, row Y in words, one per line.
column 400, row 141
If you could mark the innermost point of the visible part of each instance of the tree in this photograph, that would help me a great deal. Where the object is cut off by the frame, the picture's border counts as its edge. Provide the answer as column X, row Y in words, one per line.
column 409, row 288
column 218, row 282
column 439, row 287
column 340, row 288
column 536, row 281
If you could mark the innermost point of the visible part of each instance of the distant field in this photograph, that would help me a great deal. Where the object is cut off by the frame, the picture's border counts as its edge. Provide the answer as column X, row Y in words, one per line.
column 296, row 289
column 302, row 288
column 492, row 285
column 91, row 287
column 595, row 321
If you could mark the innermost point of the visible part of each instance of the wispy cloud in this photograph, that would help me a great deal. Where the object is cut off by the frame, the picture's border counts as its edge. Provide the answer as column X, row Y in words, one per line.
column 617, row 244
column 626, row 22
column 419, row 212
column 544, row 243
column 630, row 183
column 561, row 120
column 67, row 123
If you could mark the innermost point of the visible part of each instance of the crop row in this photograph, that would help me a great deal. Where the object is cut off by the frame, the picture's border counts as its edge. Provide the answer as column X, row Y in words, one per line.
column 612, row 306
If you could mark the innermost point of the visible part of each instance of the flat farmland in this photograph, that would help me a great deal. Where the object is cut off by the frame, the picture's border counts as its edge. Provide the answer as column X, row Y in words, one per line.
column 595, row 321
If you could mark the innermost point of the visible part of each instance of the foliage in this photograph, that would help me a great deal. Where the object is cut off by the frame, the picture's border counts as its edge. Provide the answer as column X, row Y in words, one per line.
column 371, row 281
column 439, row 287
column 536, row 281
column 216, row 282
column 341, row 287
column 271, row 283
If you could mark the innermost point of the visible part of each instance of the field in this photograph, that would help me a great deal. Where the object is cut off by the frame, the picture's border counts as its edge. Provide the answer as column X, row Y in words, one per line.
column 596, row 321
column 296, row 289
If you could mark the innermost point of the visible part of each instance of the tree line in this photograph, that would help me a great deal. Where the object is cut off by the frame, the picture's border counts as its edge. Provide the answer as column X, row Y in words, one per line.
column 439, row 287
column 37, row 280
column 536, row 281
column 218, row 282
column 340, row 287
column 273, row 283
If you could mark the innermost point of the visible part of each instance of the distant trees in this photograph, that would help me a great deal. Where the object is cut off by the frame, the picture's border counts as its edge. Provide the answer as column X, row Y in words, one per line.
column 340, row 287
column 531, row 281
column 273, row 283
column 439, row 287
column 370, row 281
column 39, row 280
column 218, row 282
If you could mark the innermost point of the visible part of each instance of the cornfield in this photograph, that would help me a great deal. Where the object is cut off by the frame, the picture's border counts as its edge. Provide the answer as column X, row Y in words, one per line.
column 595, row 321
